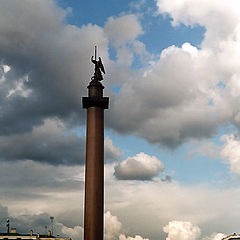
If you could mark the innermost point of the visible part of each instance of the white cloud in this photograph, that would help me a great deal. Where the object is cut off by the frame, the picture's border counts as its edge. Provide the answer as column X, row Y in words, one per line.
column 137, row 4
column 170, row 104
column 139, row 47
column 183, row 230
column 111, row 152
column 174, row 100
column 75, row 233
column 179, row 97
column 124, row 57
column 59, row 192
column 20, row 88
column 112, row 226
column 215, row 236
column 137, row 237
column 178, row 230
column 231, row 152
column 219, row 17
column 123, row 29
column 167, row 105
column 155, row 203
column 6, row 68
column 190, row 49
column 139, row 167
column 205, row 148
column 123, row 32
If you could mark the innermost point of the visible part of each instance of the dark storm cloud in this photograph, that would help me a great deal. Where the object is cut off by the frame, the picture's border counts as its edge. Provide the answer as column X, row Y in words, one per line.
column 48, row 143
column 167, row 104
column 36, row 222
column 41, row 187
column 49, row 70
column 51, row 143
column 49, row 58
column 30, row 178
column 11, row 194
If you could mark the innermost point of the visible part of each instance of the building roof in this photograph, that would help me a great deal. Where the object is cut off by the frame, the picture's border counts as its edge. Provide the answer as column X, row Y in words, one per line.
column 18, row 236
column 234, row 236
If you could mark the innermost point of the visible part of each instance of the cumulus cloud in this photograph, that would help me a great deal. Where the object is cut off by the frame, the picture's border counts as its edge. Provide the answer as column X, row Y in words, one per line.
column 51, row 55
column 231, row 152
column 49, row 143
column 137, row 237
column 40, row 223
column 161, row 96
column 178, row 230
column 37, row 222
column 205, row 148
column 123, row 33
column 113, row 226
column 188, row 92
column 123, row 29
column 155, row 203
column 39, row 179
column 187, row 231
column 215, row 236
column 210, row 99
column 73, row 233
column 111, row 152
column 177, row 98
column 212, row 15
column 139, row 167
column 35, row 188
column 167, row 102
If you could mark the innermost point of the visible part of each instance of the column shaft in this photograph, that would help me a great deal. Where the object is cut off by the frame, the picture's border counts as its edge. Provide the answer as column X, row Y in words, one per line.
column 94, row 178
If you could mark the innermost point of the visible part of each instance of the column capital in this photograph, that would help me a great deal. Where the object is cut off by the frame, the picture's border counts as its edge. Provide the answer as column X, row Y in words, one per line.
column 102, row 102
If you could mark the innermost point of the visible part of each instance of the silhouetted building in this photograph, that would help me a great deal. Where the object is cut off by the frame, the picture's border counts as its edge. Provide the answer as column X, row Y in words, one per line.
column 13, row 235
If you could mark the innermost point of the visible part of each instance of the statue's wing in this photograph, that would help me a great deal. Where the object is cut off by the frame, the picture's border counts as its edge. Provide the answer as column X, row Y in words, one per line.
column 101, row 65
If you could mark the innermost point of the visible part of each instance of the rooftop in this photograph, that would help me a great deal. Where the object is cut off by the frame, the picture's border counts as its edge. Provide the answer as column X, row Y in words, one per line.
column 233, row 236
column 30, row 236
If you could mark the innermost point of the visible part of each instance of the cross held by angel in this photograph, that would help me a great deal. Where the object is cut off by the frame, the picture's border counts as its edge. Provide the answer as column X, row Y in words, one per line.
column 99, row 68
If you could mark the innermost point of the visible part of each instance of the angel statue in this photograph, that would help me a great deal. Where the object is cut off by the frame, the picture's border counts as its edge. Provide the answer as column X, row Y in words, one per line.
column 99, row 68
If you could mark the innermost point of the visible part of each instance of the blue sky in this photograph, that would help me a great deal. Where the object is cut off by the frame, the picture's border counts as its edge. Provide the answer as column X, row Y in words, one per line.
column 172, row 142
column 158, row 35
column 158, row 31
column 157, row 27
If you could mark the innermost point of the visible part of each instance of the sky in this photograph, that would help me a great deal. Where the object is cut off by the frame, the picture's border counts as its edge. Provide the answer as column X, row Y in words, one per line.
column 172, row 142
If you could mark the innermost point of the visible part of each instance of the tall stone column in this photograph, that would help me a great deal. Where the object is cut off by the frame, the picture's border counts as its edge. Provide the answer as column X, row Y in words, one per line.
column 95, row 104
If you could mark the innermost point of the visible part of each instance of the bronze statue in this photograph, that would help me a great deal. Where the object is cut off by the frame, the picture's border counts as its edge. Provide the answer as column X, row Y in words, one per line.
column 99, row 68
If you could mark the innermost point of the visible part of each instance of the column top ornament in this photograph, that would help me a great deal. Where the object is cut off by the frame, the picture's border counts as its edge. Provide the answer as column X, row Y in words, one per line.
column 99, row 68
column 95, row 88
